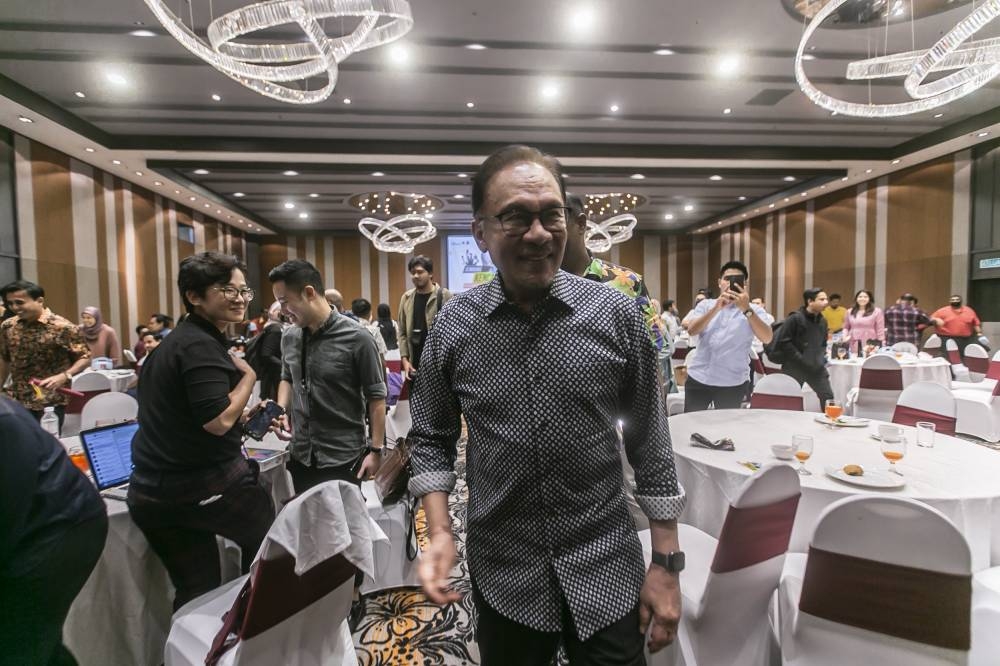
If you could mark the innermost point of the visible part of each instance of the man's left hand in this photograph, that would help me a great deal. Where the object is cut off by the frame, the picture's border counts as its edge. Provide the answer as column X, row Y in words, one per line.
column 370, row 466
column 741, row 298
column 54, row 382
column 660, row 606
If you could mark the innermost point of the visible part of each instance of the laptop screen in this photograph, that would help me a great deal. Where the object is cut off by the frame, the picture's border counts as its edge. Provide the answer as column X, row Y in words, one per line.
column 109, row 451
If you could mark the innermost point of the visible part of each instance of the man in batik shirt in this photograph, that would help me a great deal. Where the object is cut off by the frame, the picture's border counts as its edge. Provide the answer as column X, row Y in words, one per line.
column 38, row 345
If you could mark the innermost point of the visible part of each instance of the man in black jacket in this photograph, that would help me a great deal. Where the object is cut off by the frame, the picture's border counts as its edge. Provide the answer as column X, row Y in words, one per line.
column 801, row 342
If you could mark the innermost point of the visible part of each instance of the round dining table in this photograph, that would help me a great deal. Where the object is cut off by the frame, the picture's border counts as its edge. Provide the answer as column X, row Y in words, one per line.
column 846, row 374
column 959, row 478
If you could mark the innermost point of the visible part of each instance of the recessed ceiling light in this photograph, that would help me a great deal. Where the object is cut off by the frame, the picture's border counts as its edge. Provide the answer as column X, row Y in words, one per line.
column 786, row 199
column 475, row 47
column 459, row 196
column 789, row 179
column 347, row 100
column 377, row 174
column 177, row 191
column 728, row 65
column 430, row 216
column 157, row 182
column 192, row 198
column 715, row 177
column 808, row 56
column 80, row 94
column 303, row 216
column 116, row 162
column 938, row 115
column 896, row 161
column 637, row 176
column 90, row 150
column 208, row 205
column 804, row 193
column 844, row 179
column 289, row 205
column 743, row 198
column 614, row 108
column 582, row 20
column 202, row 172
column 744, row 214
column 549, row 90
column 470, row 105
column 239, row 195
column 289, row 173
column 463, row 175
column 218, row 211
column 668, row 216
column 142, row 33
column 726, row 111
column 982, row 134
column 313, row 195
column 25, row 119
column 663, row 52
column 868, row 170
column 834, row 113
column 216, row 97
column 138, row 173
column 116, row 78
column 399, row 54
column 688, row 208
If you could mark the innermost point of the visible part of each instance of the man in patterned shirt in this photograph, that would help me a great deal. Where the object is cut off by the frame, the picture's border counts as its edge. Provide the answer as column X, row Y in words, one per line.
column 542, row 364
column 904, row 321
column 37, row 344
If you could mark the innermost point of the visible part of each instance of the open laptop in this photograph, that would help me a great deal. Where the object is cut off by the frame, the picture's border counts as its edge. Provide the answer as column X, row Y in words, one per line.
column 109, row 452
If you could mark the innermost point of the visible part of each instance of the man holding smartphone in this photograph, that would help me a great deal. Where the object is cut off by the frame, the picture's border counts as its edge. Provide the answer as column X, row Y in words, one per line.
column 726, row 325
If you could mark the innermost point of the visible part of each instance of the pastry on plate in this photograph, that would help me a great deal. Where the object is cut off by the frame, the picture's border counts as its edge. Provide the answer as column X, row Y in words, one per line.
column 854, row 470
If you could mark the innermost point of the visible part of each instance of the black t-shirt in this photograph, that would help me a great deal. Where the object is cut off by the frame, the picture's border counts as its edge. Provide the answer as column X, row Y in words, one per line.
column 42, row 494
column 185, row 384
column 418, row 331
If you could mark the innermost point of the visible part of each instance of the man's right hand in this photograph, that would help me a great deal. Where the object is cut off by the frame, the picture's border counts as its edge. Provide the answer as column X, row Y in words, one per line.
column 436, row 563
column 408, row 370
column 281, row 427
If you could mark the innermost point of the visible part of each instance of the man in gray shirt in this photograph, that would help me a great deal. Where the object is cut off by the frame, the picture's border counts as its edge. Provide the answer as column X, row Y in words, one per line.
column 330, row 371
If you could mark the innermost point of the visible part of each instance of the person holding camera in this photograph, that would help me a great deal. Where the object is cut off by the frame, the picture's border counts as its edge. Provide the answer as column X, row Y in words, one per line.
column 726, row 326
column 190, row 480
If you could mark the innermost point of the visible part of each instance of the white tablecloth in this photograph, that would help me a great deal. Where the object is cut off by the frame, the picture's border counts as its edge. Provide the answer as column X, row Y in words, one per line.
column 120, row 379
column 959, row 478
column 845, row 375
column 392, row 567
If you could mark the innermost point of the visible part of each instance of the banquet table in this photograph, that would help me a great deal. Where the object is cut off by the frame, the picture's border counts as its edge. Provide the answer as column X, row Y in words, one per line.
column 122, row 615
column 846, row 374
column 120, row 379
column 961, row 479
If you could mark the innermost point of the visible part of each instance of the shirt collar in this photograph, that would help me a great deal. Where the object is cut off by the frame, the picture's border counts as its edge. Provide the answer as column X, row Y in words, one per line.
column 207, row 326
column 560, row 293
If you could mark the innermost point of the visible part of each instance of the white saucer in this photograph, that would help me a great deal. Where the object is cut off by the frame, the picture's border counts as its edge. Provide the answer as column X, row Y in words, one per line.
column 870, row 479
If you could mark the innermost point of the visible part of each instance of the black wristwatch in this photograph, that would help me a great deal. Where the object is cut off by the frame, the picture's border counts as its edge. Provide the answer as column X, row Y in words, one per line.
column 672, row 562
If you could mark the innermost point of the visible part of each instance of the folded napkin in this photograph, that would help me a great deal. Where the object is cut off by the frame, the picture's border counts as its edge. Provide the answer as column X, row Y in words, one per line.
column 724, row 444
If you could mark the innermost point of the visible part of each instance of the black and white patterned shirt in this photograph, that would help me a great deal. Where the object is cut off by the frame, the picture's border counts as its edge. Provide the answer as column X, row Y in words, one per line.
column 541, row 395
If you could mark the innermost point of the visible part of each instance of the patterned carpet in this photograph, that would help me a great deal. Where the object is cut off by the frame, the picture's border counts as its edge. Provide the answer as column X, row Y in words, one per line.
column 402, row 628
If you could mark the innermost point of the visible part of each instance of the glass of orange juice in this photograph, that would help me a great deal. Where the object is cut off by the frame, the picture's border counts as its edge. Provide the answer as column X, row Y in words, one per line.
column 803, row 450
column 834, row 409
column 79, row 458
column 893, row 452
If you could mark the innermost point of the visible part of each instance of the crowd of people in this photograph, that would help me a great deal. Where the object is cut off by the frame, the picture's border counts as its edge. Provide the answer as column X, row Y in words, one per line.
column 559, row 567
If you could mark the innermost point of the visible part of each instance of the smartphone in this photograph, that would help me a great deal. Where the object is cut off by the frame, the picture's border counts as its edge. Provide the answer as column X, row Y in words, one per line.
column 260, row 419
column 736, row 280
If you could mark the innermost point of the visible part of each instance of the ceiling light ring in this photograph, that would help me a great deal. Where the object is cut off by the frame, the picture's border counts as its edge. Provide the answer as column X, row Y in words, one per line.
column 393, row 235
column 600, row 236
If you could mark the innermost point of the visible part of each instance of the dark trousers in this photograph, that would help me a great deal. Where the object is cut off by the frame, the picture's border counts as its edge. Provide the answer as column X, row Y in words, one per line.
column 503, row 642
column 305, row 477
column 183, row 535
column 698, row 396
column 962, row 342
column 60, row 411
column 34, row 605
column 819, row 380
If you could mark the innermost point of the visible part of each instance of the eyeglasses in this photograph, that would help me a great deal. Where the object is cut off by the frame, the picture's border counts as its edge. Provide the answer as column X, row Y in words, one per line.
column 516, row 222
column 231, row 293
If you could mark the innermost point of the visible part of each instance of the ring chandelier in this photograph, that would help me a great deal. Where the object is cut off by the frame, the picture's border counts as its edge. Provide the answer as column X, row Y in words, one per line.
column 977, row 63
column 266, row 68
column 600, row 236
column 398, row 234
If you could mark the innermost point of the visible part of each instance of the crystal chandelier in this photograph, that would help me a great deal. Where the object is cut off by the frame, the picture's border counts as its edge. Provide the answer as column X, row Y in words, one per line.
column 266, row 68
column 600, row 236
column 398, row 234
column 977, row 63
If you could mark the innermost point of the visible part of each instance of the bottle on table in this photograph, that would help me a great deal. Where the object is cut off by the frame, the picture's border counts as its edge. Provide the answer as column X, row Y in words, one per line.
column 50, row 422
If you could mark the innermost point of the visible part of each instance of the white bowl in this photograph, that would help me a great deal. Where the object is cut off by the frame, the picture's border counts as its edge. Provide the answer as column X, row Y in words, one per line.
column 783, row 451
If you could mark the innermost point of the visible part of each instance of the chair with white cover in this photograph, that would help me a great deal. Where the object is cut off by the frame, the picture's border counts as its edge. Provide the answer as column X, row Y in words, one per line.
column 770, row 367
column 108, row 408
column 679, row 356
column 86, row 386
column 129, row 356
column 777, row 392
column 728, row 583
column 675, row 401
column 977, row 364
column 958, row 369
column 887, row 580
column 985, row 617
column 978, row 412
column 878, row 388
column 932, row 345
column 929, row 402
column 905, row 348
column 292, row 608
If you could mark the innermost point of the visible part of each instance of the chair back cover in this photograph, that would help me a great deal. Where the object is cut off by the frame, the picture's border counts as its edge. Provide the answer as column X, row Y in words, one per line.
column 91, row 381
column 927, row 401
column 977, row 360
column 777, row 392
column 932, row 345
column 905, row 348
column 107, row 408
column 879, row 387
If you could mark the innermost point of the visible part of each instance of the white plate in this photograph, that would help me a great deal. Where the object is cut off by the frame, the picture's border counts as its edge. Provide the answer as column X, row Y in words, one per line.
column 871, row 479
column 878, row 438
column 849, row 422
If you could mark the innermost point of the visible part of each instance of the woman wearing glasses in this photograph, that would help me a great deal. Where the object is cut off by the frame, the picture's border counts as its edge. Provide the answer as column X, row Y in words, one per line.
column 190, row 480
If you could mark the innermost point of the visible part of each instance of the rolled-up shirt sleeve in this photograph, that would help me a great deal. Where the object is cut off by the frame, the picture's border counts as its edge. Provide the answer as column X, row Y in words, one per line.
column 436, row 419
column 646, row 434
column 370, row 368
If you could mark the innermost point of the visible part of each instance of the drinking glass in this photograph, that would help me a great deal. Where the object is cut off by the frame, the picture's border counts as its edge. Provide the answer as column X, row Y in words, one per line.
column 79, row 458
column 893, row 452
column 803, row 450
column 925, row 434
column 841, row 352
column 834, row 409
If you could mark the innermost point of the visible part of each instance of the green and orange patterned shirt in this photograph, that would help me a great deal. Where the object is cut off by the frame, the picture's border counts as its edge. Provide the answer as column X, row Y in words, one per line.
column 629, row 283
column 36, row 350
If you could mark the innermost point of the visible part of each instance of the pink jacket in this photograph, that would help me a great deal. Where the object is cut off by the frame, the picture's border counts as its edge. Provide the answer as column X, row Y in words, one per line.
column 861, row 327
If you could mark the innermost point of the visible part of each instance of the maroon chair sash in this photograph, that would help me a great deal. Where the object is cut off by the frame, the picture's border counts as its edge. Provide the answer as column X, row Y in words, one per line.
column 754, row 534
column 792, row 403
column 758, row 366
column 953, row 356
column 394, row 366
column 275, row 594
column 77, row 399
column 976, row 364
column 881, row 380
column 993, row 371
column 910, row 415
column 680, row 353
column 404, row 393
column 918, row 605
